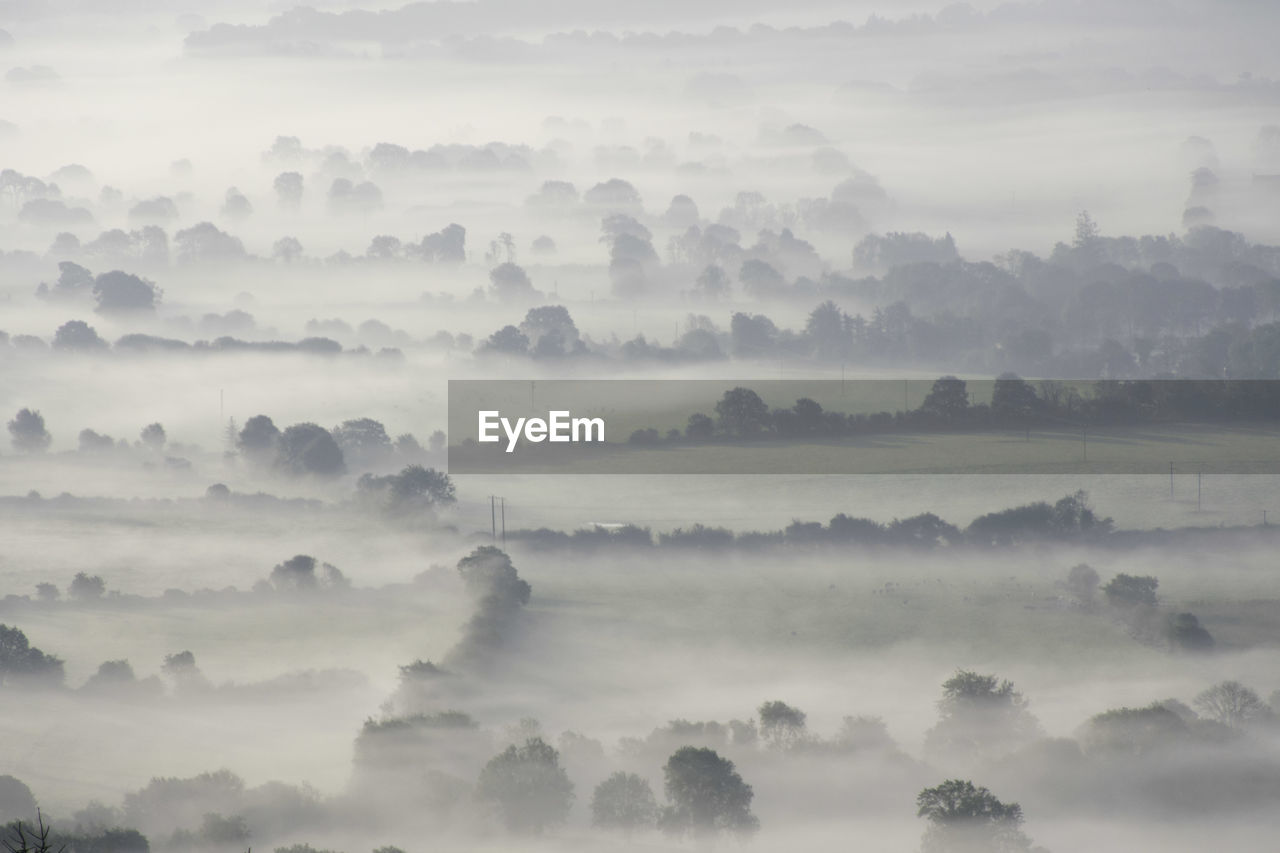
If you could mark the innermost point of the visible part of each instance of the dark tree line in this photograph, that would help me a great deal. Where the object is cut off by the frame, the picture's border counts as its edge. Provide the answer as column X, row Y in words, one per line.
column 1016, row 404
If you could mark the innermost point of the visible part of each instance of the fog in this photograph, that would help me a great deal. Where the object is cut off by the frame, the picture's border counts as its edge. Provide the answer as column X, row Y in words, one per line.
column 251, row 599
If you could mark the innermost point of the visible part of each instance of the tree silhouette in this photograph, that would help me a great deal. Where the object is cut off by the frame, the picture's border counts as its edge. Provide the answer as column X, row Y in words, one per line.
column 528, row 786
column 624, row 802
column 706, row 795
column 27, row 432
column 964, row 818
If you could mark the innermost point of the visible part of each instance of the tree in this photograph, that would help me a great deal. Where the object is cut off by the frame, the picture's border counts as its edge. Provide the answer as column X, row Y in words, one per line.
column 258, row 439
column 1232, row 704
column 1185, row 632
column 1131, row 590
column 220, row 831
column 86, row 587
column 781, row 725
column 499, row 592
column 864, row 733
column 508, row 341
column 614, row 193
column 509, row 281
column 362, row 440
column 752, row 335
column 295, row 574
column 73, row 279
column 298, row 574
column 828, row 331
column 204, row 243
column 27, row 432
column 624, row 802
column 77, row 335
column 23, row 663
column 181, row 667
column 288, row 187
column 742, row 413
column 713, row 282
column 551, row 330
column 700, row 427
column 153, row 436
column 308, row 448
column 448, row 245
column 111, row 674
column 236, row 206
column 1082, row 580
column 705, row 795
column 16, row 801
column 922, row 531
column 1086, row 230
column 414, row 490
column 1132, row 731
column 760, row 279
column 947, row 400
column 160, row 209
column 346, row 197
column 528, row 786
column 1072, row 515
column 809, row 418
column 964, row 818
column 384, row 247
column 1013, row 400
column 287, row 249
column 503, row 248
column 899, row 248
column 979, row 714
column 554, row 193
column 489, row 571
column 122, row 293
column 1088, row 239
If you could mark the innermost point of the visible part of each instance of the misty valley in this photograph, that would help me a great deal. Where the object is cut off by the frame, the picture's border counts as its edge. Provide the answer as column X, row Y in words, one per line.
column 938, row 351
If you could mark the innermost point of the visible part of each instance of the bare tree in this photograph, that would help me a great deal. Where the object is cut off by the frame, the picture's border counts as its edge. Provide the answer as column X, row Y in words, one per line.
column 1231, row 703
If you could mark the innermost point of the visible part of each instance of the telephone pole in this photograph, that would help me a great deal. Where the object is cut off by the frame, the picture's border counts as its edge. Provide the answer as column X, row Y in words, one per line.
column 497, row 513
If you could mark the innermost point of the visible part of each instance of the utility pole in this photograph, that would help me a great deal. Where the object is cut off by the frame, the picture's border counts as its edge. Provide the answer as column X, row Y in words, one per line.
column 503, row 505
column 493, row 521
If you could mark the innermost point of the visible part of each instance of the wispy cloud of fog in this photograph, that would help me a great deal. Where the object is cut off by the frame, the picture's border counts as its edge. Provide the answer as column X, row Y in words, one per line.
column 333, row 209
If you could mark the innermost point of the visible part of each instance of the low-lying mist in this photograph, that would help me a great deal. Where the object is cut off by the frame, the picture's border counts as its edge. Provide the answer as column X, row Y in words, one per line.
column 246, row 605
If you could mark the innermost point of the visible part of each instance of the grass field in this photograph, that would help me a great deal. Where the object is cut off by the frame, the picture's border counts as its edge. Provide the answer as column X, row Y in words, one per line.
column 1189, row 448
